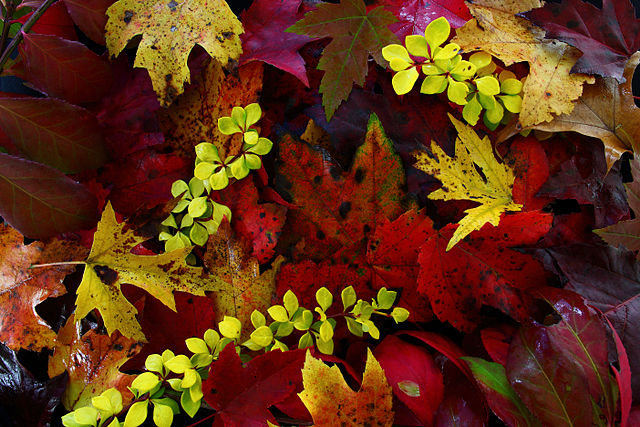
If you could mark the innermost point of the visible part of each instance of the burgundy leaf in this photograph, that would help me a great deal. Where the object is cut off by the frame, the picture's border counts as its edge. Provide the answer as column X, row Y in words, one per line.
column 90, row 16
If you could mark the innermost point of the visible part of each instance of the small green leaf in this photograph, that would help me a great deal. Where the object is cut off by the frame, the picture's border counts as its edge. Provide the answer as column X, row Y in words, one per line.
column 252, row 161
column 254, row 112
column 278, row 313
column 211, row 337
column 448, row 52
column 162, row 414
column 326, row 331
column 262, row 336
column 219, row 180
column 196, row 345
column 203, row 170
column 239, row 116
column 250, row 137
column 207, row 152
column 400, row 314
column 86, row 416
column 239, row 169
column 179, row 187
column 488, row 85
column 230, row 327
column 471, row 111
column 437, row 32
column 434, row 84
column 262, row 147
column 512, row 103
column 197, row 207
column 145, row 382
column 284, row 329
column 136, row 414
column 325, row 347
column 196, row 187
column 463, row 70
column 199, row 234
column 304, row 321
column 348, row 296
column 386, row 298
column 178, row 364
column 511, row 87
column 480, row 59
column 457, row 91
column 354, row 327
column 290, row 302
column 495, row 115
column 305, row 340
column 417, row 45
column 371, row 328
column 404, row 80
column 409, row 388
column 397, row 56
column 257, row 319
column 324, row 298
column 227, row 126
column 189, row 406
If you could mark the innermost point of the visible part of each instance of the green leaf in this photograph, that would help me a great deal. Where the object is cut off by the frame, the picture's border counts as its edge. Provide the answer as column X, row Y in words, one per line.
column 447, row 52
column 197, row 207
column 290, row 303
column 254, row 112
column 258, row 319
column 278, row 313
column 512, row 103
column 178, row 364
column 434, row 84
column 305, row 340
column 355, row 34
column 136, row 414
column 409, row 388
column 471, row 111
column 230, row 327
column 348, row 296
column 207, row 152
column 324, row 298
column 86, row 415
column 239, row 116
column 262, row 147
column 403, row 81
column 480, row 59
column 196, row 345
column 488, row 85
column 304, row 321
column 397, row 56
column 457, row 91
column 145, row 382
column 262, row 336
column 511, row 87
column 326, row 331
column 204, row 170
column 162, row 414
column 189, row 406
column 386, row 298
column 400, row 314
column 417, row 45
column 325, row 347
column 437, row 32
column 227, row 126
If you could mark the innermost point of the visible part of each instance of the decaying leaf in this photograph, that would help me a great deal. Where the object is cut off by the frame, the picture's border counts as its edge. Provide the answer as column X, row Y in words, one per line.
column 356, row 33
column 93, row 362
column 462, row 181
column 169, row 30
column 606, row 110
column 550, row 89
column 332, row 402
column 110, row 264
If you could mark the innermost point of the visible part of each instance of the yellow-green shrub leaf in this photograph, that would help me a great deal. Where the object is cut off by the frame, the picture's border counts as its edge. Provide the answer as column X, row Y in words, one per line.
column 136, row 414
column 437, row 32
column 403, row 81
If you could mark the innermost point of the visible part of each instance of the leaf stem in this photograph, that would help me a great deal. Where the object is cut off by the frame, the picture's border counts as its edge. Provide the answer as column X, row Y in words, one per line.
column 53, row 264
column 6, row 53
column 6, row 24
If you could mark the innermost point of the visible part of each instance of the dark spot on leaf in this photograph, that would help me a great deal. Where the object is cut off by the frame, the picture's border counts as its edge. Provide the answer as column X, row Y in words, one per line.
column 262, row 214
column 168, row 78
column 360, row 174
column 366, row 228
column 106, row 274
column 320, row 235
column 572, row 24
column 335, row 173
column 118, row 347
column 172, row 5
column 227, row 34
column 128, row 14
column 317, row 179
column 344, row 209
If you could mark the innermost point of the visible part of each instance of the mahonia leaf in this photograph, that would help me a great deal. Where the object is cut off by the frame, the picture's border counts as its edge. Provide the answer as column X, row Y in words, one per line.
column 110, row 264
column 169, row 30
column 462, row 181
column 550, row 88
column 355, row 34
column 332, row 402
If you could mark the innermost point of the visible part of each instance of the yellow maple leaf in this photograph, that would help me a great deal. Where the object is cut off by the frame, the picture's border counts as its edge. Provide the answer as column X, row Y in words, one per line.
column 170, row 29
column 331, row 402
column 550, row 88
column 111, row 263
column 462, row 181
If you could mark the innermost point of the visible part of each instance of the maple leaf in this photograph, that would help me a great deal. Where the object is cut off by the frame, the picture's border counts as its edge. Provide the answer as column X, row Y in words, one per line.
column 101, row 357
column 606, row 36
column 344, row 207
column 482, row 269
column 242, row 396
column 332, row 402
column 264, row 38
column 355, row 34
column 550, row 88
column 462, row 181
column 110, row 264
column 193, row 118
column 21, row 289
column 627, row 233
column 606, row 110
column 169, row 30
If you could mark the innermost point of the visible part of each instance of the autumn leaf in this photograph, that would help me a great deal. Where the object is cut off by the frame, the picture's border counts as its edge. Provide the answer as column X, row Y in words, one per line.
column 356, row 33
column 482, row 269
column 627, row 233
column 606, row 110
column 332, row 402
column 193, row 118
column 242, row 395
column 550, row 88
column 462, row 181
column 110, row 264
column 40, row 201
column 22, row 289
column 265, row 38
column 90, row 16
column 169, row 30
column 101, row 356
column 344, row 207
column 414, row 15
column 606, row 36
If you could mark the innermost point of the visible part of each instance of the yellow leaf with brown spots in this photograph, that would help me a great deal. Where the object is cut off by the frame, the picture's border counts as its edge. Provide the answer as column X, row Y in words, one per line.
column 170, row 29
column 331, row 402
column 193, row 118
column 93, row 362
column 22, row 289
column 226, row 258
column 550, row 88
column 111, row 263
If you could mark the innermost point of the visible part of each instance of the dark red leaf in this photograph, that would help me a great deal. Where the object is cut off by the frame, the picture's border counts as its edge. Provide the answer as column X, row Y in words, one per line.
column 242, row 396
column 90, row 16
column 623, row 377
column 607, row 37
column 482, row 269
column 552, row 386
column 51, row 131
column 65, row 69
column 264, row 38
column 414, row 15
column 41, row 202
column 413, row 375
column 463, row 404
column 55, row 21
column 496, row 342
column 531, row 168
